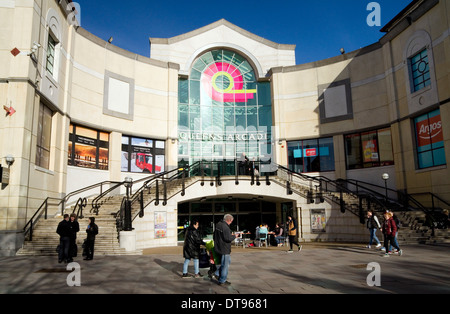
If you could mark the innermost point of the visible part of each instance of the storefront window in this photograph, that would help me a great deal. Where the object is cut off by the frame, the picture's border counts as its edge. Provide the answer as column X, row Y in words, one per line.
column 311, row 155
column 142, row 155
column 88, row 148
column 429, row 140
column 369, row 149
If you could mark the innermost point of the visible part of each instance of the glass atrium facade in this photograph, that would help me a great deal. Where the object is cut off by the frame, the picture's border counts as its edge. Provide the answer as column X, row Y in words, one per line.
column 223, row 111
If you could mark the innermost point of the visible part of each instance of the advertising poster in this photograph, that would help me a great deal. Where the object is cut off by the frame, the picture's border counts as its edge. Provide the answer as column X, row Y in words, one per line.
column 370, row 150
column 318, row 220
column 138, row 155
column 160, row 225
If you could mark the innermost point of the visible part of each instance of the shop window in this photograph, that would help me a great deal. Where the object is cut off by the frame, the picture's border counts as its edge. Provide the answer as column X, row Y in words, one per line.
column 369, row 149
column 429, row 140
column 88, row 148
column 142, row 155
column 44, row 137
column 311, row 155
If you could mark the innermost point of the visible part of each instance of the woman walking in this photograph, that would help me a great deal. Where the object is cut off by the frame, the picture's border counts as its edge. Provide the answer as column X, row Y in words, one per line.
column 389, row 230
column 191, row 249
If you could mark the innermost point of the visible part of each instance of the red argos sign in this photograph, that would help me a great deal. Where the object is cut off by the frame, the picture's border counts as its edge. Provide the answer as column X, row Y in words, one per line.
column 429, row 131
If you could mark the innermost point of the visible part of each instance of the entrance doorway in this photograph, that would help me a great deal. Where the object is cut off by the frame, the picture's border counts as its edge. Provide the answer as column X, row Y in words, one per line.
column 247, row 213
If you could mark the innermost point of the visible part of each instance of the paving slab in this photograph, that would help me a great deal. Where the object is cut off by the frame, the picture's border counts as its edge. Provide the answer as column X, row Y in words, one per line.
column 325, row 268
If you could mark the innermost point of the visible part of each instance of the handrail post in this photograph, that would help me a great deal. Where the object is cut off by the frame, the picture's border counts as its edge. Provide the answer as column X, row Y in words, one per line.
column 236, row 172
column 202, row 172
column 46, row 209
column 31, row 230
column 63, row 205
column 157, row 193
column 211, row 173
column 361, row 211
column 141, row 204
column 165, row 193
column 183, row 185
column 341, row 200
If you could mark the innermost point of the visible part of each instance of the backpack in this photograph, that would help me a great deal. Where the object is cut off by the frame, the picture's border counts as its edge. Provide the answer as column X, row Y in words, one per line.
column 397, row 222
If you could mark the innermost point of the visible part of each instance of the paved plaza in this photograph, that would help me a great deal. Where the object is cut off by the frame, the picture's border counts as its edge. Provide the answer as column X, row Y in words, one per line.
column 316, row 269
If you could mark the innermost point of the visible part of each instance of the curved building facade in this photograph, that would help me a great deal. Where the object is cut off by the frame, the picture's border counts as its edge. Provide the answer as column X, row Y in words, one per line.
column 80, row 111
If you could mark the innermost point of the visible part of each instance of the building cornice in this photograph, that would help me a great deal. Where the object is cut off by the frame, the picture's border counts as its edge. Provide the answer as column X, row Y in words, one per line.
column 221, row 22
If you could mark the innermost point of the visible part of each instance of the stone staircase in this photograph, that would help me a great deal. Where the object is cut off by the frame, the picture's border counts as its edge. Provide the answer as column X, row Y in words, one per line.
column 413, row 228
column 45, row 238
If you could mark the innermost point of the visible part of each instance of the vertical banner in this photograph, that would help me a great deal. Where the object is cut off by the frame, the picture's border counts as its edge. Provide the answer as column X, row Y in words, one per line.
column 160, row 225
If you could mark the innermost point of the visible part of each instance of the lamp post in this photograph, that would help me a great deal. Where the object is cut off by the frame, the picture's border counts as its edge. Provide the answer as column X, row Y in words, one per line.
column 127, row 215
column 385, row 177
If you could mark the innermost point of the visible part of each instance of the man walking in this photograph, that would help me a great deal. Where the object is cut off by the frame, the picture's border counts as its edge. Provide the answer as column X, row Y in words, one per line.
column 373, row 224
column 222, row 245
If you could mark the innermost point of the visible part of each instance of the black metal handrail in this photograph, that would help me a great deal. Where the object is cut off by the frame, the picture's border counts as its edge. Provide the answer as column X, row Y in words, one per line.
column 129, row 200
column 317, row 187
column 43, row 208
column 78, row 209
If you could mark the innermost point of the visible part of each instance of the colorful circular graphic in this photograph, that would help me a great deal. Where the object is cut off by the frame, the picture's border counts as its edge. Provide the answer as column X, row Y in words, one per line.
column 223, row 82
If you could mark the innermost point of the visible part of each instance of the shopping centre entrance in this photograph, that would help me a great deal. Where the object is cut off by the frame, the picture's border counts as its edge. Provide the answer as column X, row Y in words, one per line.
column 248, row 213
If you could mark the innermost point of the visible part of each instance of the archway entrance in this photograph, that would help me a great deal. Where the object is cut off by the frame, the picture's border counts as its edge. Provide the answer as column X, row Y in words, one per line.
column 248, row 214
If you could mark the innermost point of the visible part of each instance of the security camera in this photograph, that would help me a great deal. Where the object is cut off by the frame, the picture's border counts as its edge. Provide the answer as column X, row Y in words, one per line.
column 35, row 47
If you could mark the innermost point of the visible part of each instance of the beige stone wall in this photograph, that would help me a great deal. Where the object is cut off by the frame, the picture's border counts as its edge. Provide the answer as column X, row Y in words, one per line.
column 380, row 97
column 377, row 76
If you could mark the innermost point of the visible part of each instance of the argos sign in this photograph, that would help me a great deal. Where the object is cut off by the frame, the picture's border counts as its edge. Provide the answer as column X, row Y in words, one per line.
column 429, row 131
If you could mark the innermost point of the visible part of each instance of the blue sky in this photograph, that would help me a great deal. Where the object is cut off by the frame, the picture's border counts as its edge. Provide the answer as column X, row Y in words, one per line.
column 318, row 28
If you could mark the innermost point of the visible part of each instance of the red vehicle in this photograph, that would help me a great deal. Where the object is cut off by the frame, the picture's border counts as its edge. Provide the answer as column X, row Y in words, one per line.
column 144, row 162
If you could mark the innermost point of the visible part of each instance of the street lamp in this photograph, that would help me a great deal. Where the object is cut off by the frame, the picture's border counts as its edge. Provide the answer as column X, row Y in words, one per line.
column 128, row 184
column 385, row 177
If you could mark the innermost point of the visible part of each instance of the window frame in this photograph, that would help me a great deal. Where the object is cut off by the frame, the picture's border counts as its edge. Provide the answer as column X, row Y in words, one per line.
column 40, row 146
column 425, row 82
column 99, row 143
column 305, row 147
column 368, row 164
column 432, row 149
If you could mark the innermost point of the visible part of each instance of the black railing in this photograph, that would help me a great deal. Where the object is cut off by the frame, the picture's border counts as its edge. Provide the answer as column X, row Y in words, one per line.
column 155, row 189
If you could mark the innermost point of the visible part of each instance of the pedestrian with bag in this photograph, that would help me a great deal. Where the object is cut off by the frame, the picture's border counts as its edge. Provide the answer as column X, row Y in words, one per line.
column 191, row 249
column 373, row 225
column 292, row 232
column 92, row 231
column 389, row 231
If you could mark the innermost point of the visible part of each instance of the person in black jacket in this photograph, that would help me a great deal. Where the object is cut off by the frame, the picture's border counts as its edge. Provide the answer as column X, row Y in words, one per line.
column 191, row 249
column 64, row 239
column 92, row 231
column 74, row 228
column 222, row 245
